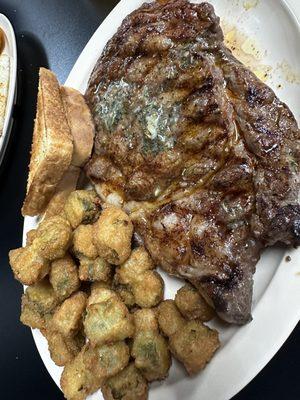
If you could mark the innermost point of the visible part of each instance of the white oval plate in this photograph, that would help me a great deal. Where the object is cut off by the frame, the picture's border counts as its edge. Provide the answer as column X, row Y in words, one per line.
column 11, row 50
column 276, row 311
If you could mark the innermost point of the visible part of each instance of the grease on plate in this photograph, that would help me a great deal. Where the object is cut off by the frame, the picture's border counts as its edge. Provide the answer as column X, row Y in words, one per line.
column 249, row 4
column 247, row 50
column 288, row 73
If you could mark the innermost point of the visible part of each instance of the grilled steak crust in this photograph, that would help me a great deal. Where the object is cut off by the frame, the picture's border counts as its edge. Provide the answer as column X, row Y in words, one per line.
column 203, row 153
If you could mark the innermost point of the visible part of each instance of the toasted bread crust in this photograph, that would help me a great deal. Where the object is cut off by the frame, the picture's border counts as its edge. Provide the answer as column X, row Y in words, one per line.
column 81, row 124
column 66, row 185
column 52, row 146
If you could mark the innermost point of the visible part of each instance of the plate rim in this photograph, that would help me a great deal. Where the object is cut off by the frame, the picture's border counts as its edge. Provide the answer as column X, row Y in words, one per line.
column 8, row 29
column 272, row 288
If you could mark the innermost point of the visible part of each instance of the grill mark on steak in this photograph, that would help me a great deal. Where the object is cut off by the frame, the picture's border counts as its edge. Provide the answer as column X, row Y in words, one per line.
column 205, row 155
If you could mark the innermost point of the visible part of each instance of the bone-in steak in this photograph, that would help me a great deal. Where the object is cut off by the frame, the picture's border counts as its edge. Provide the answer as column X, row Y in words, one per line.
column 203, row 153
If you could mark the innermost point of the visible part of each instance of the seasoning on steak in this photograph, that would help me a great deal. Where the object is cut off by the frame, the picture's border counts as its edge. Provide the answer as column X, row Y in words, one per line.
column 203, row 153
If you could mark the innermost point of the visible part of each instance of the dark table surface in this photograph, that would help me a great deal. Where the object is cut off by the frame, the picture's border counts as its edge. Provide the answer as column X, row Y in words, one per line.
column 52, row 34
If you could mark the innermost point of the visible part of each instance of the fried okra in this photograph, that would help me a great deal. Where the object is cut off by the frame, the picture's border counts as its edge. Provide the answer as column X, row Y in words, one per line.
column 169, row 318
column 150, row 349
column 112, row 235
column 125, row 294
column 145, row 320
column 108, row 359
column 137, row 278
column 100, row 292
column 88, row 370
column 30, row 236
column 82, row 207
column 149, row 291
column 194, row 345
column 138, row 263
column 27, row 265
column 96, row 286
column 38, row 302
column 42, row 297
column 53, row 238
column 190, row 342
column 30, row 316
column 67, row 318
column 83, row 245
column 128, row 384
column 64, row 277
column 94, row 270
column 151, row 355
column 108, row 322
column 107, row 319
column 63, row 349
column 192, row 305
column 77, row 381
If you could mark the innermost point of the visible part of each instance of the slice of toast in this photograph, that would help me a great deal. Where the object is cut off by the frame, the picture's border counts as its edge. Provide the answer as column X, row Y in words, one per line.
column 81, row 124
column 52, row 146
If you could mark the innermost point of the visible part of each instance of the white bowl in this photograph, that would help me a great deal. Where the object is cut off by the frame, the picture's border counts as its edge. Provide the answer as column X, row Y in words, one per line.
column 11, row 50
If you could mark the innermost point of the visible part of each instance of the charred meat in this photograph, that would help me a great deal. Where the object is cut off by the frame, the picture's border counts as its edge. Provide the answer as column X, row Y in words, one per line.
column 203, row 153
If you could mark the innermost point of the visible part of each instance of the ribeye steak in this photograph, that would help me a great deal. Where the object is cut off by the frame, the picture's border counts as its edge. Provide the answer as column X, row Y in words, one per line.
column 204, row 155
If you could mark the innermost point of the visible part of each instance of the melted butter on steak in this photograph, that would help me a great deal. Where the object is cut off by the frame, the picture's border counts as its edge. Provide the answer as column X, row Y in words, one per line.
column 204, row 155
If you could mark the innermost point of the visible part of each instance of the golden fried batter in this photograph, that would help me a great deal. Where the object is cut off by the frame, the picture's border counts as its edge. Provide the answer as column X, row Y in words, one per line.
column 107, row 319
column 42, row 297
column 64, row 277
column 192, row 305
column 83, row 245
column 94, row 270
column 67, row 318
column 150, row 349
column 169, row 318
column 77, row 382
column 108, row 359
column 30, row 316
column 137, row 277
column 53, row 238
column 27, row 265
column 112, row 235
column 82, row 207
column 128, row 384
column 63, row 350
column 194, row 345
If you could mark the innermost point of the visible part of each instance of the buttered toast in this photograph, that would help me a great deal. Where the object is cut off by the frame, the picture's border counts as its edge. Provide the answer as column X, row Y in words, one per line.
column 52, row 146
